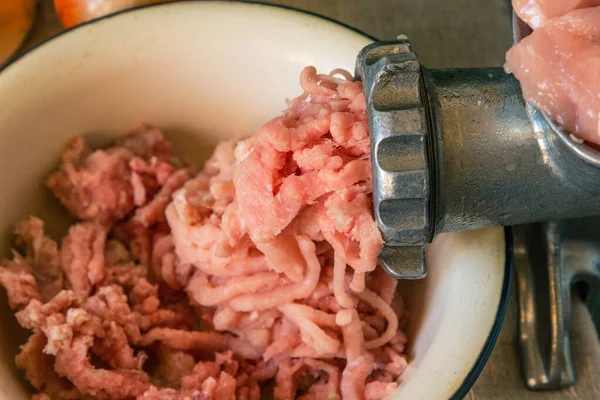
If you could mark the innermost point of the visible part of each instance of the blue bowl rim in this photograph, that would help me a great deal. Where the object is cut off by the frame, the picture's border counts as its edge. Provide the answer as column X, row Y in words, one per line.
column 489, row 344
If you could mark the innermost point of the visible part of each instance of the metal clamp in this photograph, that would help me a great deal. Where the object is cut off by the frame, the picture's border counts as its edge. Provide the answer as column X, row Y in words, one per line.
column 549, row 260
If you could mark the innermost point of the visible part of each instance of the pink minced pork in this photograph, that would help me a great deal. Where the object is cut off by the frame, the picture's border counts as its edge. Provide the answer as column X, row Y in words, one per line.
column 280, row 230
column 259, row 271
column 106, row 185
column 558, row 66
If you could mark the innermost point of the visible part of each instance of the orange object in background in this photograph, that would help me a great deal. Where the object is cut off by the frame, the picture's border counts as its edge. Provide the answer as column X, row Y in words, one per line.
column 74, row 12
column 16, row 19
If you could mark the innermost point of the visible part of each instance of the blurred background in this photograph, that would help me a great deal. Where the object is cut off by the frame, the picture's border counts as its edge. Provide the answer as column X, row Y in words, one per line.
column 445, row 33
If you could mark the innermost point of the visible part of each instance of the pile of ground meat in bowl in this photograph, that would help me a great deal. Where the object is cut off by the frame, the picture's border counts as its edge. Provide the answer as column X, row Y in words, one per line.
column 255, row 274
column 173, row 229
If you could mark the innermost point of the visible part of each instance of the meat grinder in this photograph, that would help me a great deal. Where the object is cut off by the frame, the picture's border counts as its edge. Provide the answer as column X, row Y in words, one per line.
column 460, row 149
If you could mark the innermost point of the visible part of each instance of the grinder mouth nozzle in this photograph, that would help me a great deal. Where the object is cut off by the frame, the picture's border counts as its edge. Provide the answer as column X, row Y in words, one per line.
column 582, row 149
column 459, row 149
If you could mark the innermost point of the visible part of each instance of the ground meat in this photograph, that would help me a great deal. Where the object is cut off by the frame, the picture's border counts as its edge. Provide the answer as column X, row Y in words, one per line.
column 154, row 211
column 126, row 274
column 114, row 349
column 100, row 186
column 73, row 363
column 40, row 255
column 35, row 272
column 283, row 222
column 82, row 256
column 39, row 370
column 20, row 286
column 94, row 185
column 223, row 378
column 155, row 393
column 171, row 366
column 260, row 269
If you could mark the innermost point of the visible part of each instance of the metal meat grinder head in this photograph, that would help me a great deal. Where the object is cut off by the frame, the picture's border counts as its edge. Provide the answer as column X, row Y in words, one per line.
column 460, row 149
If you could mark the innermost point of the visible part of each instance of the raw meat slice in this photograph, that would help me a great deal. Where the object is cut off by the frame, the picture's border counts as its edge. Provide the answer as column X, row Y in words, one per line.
column 538, row 12
column 558, row 66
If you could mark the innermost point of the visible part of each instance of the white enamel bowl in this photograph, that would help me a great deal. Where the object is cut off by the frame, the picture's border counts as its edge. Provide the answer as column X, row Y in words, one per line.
column 204, row 71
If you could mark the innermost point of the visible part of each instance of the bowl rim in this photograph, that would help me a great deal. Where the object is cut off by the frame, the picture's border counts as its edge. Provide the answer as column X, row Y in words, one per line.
column 258, row 3
column 484, row 355
column 490, row 342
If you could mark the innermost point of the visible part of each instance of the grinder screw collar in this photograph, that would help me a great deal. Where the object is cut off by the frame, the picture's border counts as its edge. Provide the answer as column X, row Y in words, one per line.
column 393, row 88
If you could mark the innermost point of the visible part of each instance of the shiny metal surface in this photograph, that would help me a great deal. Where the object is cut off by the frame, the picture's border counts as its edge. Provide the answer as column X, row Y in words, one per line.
column 400, row 157
column 495, row 167
column 459, row 149
column 550, row 261
column 543, row 323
